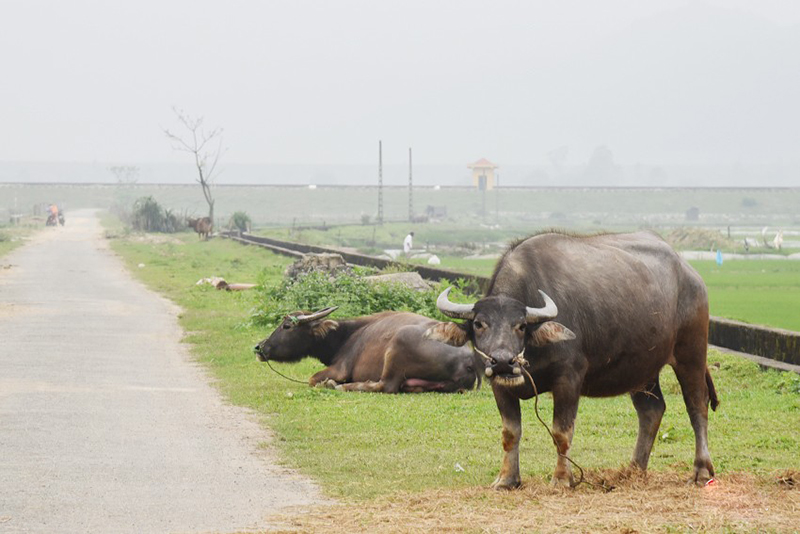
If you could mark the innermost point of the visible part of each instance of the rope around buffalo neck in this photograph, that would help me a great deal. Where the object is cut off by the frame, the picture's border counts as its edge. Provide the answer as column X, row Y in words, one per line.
column 286, row 377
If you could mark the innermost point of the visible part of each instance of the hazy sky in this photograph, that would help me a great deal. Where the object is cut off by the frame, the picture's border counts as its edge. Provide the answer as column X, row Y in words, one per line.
column 320, row 82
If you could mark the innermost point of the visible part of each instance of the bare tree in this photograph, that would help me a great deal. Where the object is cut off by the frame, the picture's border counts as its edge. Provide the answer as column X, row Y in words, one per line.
column 125, row 174
column 205, row 147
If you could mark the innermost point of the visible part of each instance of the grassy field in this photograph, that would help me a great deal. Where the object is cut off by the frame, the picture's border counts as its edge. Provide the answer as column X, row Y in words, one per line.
column 362, row 446
column 754, row 291
column 531, row 208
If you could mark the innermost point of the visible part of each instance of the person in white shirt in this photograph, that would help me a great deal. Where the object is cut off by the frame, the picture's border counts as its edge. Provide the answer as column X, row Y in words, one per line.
column 407, row 243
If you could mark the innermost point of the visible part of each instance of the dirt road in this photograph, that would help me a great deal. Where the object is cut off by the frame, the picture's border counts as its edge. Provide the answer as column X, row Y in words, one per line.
column 105, row 423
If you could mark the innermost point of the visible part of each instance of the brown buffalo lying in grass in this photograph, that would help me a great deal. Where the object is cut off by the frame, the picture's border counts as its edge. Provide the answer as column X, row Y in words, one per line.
column 386, row 352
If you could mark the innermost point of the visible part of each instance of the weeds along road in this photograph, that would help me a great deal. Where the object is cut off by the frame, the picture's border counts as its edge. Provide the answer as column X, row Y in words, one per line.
column 105, row 423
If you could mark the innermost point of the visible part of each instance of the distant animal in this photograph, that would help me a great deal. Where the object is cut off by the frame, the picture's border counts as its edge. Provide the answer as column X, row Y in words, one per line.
column 386, row 352
column 203, row 226
column 627, row 306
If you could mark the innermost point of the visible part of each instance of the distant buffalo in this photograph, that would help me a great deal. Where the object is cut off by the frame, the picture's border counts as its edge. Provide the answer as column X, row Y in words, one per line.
column 203, row 226
column 383, row 353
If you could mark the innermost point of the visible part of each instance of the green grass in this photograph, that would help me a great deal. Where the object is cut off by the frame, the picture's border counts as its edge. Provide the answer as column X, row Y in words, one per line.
column 755, row 291
column 362, row 445
column 12, row 237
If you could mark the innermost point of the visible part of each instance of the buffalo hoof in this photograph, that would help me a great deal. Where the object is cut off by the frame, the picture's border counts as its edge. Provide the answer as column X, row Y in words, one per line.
column 702, row 477
column 562, row 482
column 505, row 484
column 330, row 384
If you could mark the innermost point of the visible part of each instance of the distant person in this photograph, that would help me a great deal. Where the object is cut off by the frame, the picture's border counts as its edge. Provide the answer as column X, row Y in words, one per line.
column 408, row 243
column 778, row 241
column 52, row 218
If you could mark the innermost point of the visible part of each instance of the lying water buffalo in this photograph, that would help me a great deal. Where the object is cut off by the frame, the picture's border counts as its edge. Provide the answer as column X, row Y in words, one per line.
column 203, row 226
column 627, row 306
column 386, row 352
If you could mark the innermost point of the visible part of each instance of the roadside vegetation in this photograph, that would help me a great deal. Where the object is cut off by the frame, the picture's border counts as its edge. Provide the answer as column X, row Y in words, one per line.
column 147, row 215
column 431, row 455
column 13, row 236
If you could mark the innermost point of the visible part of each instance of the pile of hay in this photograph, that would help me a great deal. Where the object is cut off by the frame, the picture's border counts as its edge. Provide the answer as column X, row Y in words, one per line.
column 698, row 239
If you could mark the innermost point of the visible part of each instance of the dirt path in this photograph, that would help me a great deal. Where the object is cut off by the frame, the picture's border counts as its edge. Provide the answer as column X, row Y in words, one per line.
column 105, row 424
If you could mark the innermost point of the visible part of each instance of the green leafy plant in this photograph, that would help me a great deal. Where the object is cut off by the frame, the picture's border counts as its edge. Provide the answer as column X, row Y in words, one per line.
column 149, row 216
column 241, row 221
column 350, row 291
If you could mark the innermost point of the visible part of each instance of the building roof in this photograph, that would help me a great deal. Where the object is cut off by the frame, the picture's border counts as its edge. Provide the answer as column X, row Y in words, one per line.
column 482, row 163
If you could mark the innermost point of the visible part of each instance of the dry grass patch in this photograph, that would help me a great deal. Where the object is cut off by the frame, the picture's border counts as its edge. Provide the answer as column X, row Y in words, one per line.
column 657, row 502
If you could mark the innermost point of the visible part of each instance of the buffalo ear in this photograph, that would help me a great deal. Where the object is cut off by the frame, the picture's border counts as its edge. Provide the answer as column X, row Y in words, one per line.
column 323, row 328
column 550, row 332
column 449, row 333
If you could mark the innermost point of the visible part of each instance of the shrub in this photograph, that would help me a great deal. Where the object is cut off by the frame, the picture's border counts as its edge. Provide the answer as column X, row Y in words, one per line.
column 149, row 216
column 241, row 221
column 353, row 294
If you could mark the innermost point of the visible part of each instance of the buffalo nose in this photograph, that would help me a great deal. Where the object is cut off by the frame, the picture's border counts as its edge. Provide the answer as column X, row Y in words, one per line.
column 256, row 349
column 502, row 363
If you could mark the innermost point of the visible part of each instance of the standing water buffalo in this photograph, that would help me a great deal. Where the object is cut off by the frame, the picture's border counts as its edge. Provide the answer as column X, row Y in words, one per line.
column 203, row 226
column 627, row 306
column 386, row 352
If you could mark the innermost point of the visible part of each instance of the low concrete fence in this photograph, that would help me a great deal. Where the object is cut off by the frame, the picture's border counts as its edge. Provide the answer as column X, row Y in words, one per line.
column 773, row 343
column 289, row 248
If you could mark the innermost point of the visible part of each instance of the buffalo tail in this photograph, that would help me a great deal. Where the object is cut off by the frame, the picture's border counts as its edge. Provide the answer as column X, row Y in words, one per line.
column 712, row 392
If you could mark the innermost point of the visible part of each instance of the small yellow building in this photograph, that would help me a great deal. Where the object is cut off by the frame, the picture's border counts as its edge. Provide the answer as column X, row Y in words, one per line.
column 483, row 174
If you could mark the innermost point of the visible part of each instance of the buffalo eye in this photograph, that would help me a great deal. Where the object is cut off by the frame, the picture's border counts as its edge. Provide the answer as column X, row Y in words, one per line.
column 479, row 326
column 287, row 326
column 520, row 328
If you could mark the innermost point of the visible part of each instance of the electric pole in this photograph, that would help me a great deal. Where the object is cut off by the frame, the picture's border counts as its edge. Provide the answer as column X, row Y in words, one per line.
column 410, row 190
column 380, row 182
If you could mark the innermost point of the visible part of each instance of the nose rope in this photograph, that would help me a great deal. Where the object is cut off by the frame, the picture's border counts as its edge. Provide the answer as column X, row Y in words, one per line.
column 284, row 376
column 519, row 358
column 582, row 479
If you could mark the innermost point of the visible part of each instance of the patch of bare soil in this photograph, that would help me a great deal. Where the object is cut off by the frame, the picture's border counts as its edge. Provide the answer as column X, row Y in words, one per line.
column 656, row 502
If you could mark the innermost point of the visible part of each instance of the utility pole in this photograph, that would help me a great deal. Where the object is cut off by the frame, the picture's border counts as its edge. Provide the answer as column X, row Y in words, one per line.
column 410, row 190
column 380, row 182
column 496, row 196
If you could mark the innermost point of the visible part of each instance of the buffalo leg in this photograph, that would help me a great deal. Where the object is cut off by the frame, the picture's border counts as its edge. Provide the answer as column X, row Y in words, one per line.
column 368, row 386
column 511, row 414
column 695, row 394
column 650, row 407
column 329, row 373
column 565, row 408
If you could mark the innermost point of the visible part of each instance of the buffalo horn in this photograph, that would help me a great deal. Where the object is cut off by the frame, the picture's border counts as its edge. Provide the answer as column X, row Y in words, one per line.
column 540, row 315
column 301, row 319
column 451, row 309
